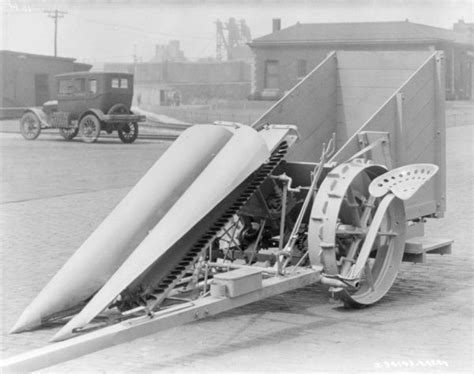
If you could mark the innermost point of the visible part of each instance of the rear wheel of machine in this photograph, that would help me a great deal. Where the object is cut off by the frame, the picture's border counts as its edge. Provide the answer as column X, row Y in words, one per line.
column 89, row 128
column 341, row 218
column 30, row 126
column 69, row 133
column 128, row 133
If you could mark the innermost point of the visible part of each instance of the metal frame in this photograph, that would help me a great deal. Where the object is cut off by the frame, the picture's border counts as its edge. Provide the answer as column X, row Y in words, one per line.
column 157, row 321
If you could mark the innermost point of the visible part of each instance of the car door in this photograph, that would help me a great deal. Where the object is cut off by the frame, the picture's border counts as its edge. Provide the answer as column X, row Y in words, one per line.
column 92, row 93
column 80, row 96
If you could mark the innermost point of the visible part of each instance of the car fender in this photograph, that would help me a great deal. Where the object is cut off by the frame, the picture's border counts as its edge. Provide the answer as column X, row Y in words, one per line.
column 40, row 114
column 97, row 112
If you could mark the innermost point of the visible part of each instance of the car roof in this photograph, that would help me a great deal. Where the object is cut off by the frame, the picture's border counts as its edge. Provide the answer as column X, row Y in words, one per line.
column 90, row 74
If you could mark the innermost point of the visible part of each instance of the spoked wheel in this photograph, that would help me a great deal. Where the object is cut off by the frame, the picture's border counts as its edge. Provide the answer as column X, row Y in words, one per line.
column 128, row 133
column 357, row 238
column 30, row 126
column 69, row 133
column 89, row 128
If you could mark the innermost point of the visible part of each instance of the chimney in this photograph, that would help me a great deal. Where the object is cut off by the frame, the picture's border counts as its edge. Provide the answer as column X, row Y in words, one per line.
column 276, row 22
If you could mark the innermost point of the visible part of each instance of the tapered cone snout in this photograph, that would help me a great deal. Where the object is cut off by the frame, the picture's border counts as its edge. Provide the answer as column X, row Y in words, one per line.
column 245, row 152
column 128, row 224
column 28, row 320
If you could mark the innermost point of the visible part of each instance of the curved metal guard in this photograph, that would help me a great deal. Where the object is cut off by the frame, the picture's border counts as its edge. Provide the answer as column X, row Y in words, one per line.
column 404, row 181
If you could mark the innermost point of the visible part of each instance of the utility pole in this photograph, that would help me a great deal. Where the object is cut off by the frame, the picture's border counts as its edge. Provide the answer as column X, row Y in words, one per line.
column 55, row 14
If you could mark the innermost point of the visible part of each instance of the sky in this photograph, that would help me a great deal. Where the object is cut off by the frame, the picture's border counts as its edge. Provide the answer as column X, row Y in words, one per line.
column 97, row 32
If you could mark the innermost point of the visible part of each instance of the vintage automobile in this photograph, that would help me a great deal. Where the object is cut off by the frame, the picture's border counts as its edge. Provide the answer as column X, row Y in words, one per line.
column 87, row 102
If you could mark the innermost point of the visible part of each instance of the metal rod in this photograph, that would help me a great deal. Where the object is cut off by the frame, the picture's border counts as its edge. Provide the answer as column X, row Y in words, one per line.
column 238, row 266
column 283, row 214
column 326, row 153
column 300, row 261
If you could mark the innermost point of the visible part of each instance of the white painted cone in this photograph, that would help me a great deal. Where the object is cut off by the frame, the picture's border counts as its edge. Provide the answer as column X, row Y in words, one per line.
column 120, row 233
column 241, row 156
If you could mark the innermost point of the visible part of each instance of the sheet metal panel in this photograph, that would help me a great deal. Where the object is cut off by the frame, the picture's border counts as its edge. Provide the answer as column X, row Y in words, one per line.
column 415, row 126
column 311, row 106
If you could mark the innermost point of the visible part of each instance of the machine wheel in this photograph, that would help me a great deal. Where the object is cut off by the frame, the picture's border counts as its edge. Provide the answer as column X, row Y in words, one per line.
column 30, row 126
column 89, row 128
column 68, row 133
column 344, row 219
column 128, row 133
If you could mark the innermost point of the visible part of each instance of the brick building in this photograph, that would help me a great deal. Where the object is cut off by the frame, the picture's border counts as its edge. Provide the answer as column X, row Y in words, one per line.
column 28, row 79
column 286, row 55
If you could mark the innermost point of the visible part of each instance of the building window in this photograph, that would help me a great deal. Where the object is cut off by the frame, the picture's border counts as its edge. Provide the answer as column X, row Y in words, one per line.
column 271, row 74
column 301, row 68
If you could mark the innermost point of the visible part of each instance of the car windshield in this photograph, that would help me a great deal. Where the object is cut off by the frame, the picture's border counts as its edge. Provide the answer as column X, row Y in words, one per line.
column 64, row 86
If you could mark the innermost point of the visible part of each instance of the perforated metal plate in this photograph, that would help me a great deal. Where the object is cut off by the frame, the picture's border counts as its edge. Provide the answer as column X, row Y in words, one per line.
column 403, row 181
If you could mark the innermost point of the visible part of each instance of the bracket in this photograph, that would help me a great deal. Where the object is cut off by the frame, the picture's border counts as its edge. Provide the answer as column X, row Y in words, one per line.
column 375, row 145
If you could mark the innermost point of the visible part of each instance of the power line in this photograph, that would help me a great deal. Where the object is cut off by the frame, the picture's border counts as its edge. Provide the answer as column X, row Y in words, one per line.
column 55, row 14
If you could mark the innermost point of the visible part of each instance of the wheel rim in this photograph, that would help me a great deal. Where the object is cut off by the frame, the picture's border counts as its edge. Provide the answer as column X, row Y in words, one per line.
column 31, row 126
column 89, row 128
column 342, row 217
column 128, row 131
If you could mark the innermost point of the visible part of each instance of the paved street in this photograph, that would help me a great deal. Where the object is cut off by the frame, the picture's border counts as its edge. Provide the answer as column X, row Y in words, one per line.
column 54, row 193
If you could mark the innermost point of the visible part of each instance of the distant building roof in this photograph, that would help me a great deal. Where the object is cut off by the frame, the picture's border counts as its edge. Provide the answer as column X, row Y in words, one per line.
column 19, row 54
column 77, row 66
column 92, row 74
column 358, row 33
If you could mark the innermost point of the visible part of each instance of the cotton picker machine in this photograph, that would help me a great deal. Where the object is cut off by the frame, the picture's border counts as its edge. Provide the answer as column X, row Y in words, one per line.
column 332, row 184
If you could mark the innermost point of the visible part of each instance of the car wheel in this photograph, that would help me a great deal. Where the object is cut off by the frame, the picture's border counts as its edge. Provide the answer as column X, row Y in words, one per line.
column 128, row 133
column 68, row 133
column 30, row 126
column 89, row 128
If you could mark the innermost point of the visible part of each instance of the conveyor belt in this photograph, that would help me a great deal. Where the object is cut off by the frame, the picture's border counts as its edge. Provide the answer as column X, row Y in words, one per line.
column 180, row 259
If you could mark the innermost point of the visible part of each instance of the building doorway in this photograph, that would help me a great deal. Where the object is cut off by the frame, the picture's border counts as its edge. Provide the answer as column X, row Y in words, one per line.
column 41, row 89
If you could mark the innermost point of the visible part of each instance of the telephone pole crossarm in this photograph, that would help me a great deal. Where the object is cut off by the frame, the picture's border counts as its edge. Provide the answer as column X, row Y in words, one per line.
column 55, row 14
